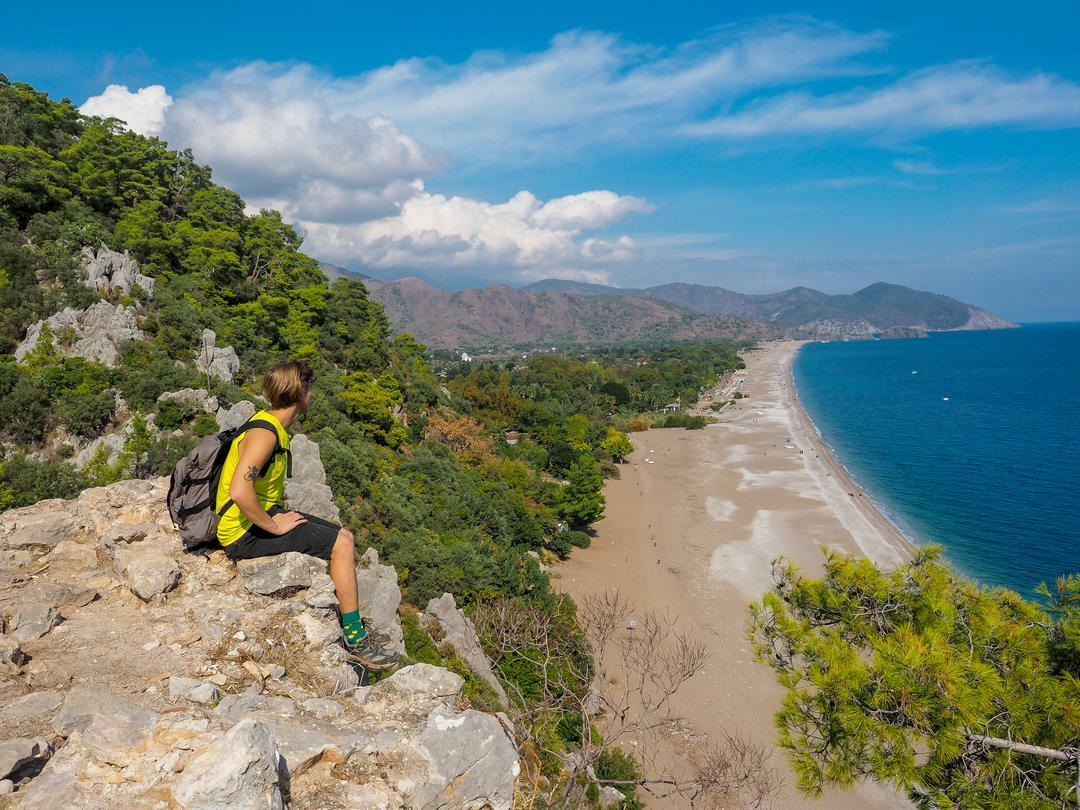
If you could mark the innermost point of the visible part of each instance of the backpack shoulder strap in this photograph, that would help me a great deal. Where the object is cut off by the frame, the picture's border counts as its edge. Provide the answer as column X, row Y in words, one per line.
column 267, row 425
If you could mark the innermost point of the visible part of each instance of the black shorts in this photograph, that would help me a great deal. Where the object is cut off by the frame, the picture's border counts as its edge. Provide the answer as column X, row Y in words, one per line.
column 316, row 537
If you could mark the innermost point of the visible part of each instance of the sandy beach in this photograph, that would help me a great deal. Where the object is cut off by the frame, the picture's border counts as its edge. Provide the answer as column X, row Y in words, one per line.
column 693, row 524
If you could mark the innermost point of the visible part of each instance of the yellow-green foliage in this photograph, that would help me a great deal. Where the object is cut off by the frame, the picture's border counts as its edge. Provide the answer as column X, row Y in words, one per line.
column 891, row 674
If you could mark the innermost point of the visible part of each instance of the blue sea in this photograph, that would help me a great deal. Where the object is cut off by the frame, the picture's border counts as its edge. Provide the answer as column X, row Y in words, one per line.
column 966, row 439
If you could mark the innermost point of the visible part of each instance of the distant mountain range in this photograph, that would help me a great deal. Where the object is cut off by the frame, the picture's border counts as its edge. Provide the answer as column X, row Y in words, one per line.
column 879, row 308
column 561, row 312
column 499, row 315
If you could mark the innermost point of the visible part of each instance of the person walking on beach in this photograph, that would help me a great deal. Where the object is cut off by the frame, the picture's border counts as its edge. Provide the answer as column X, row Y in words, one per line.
column 255, row 523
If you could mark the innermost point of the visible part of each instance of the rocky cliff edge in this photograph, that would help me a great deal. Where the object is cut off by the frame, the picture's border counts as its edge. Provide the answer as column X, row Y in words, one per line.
column 134, row 674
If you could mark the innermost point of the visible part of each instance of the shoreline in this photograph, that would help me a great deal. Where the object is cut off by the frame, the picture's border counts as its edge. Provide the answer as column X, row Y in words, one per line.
column 691, row 529
column 875, row 511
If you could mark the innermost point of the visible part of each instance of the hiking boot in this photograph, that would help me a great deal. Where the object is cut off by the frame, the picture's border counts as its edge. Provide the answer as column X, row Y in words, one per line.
column 370, row 654
column 381, row 637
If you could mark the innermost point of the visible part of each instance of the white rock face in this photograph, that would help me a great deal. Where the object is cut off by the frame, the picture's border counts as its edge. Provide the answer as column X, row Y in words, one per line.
column 122, row 691
column 99, row 331
column 283, row 574
column 243, row 770
column 459, row 631
column 380, row 597
column 195, row 397
column 307, row 491
column 108, row 271
column 218, row 361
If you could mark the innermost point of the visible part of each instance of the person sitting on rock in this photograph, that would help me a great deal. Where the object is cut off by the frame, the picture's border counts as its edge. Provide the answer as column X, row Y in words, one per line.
column 256, row 524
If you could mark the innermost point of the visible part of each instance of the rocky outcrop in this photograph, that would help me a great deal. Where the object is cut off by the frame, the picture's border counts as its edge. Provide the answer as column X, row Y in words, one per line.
column 380, row 596
column 446, row 622
column 231, row 417
column 96, row 333
column 217, row 361
column 109, row 271
column 157, row 678
column 307, row 491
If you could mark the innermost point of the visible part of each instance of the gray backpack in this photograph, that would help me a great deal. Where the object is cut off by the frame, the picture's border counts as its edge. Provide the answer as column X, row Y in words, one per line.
column 194, row 484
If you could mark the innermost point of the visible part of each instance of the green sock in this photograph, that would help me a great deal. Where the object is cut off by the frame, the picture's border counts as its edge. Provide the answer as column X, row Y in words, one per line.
column 353, row 626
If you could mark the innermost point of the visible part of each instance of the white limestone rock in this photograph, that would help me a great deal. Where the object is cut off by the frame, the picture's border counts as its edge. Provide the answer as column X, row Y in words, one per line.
column 99, row 331
column 242, row 770
column 218, row 361
column 380, row 597
column 459, row 631
column 195, row 397
column 147, row 570
column 108, row 271
column 280, row 575
column 307, row 491
column 471, row 762
column 236, row 415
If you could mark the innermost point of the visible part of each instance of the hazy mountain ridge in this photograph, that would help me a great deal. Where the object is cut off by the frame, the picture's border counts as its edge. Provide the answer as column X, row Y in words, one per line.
column 499, row 315
column 880, row 307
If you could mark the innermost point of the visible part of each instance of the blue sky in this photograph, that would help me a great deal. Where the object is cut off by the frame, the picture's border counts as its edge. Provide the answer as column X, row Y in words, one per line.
column 755, row 147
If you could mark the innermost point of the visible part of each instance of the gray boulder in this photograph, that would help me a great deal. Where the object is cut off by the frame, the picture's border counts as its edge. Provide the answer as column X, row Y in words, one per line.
column 195, row 397
column 107, row 271
column 307, row 491
column 193, row 689
column 30, row 708
column 98, row 332
column 34, row 620
column 241, row 770
column 116, row 737
column 304, row 741
column 237, row 707
column 112, row 442
column 471, row 762
column 235, row 416
column 459, row 631
column 610, row 797
column 58, row 786
column 218, row 361
column 40, row 606
column 323, row 708
column 421, row 682
column 20, row 751
column 380, row 597
column 280, row 575
column 83, row 704
column 11, row 656
column 147, row 570
column 46, row 528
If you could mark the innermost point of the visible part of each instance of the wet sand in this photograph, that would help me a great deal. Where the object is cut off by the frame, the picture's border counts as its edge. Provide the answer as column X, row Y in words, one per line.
column 692, row 527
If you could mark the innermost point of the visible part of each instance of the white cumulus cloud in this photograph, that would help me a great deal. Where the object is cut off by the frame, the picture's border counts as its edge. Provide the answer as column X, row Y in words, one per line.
column 523, row 236
column 143, row 111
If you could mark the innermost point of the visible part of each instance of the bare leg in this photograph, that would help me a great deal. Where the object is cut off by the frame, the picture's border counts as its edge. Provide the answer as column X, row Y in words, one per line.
column 343, row 571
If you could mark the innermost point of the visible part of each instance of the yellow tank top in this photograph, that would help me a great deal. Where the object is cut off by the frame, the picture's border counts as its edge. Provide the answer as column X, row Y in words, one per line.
column 269, row 488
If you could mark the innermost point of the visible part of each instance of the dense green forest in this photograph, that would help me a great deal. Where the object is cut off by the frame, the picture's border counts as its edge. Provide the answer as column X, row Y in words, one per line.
column 419, row 465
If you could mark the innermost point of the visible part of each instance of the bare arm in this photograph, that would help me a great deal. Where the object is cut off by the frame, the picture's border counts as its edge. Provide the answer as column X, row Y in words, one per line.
column 255, row 450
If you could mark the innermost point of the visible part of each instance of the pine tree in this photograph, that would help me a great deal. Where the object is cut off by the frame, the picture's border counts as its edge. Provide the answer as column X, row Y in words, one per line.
column 581, row 501
column 923, row 680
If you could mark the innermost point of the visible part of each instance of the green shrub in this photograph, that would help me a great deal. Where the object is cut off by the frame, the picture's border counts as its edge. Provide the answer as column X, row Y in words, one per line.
column 172, row 414
column 205, row 424
column 165, row 452
column 28, row 481
column 578, row 539
column 85, row 412
column 683, row 420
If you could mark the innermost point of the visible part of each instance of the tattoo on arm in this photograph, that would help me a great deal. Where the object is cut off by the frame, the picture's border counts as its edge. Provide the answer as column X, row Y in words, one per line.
column 252, row 473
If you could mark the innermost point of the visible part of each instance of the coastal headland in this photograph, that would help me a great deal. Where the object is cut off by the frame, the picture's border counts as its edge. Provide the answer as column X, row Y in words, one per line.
column 693, row 524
